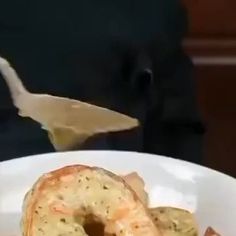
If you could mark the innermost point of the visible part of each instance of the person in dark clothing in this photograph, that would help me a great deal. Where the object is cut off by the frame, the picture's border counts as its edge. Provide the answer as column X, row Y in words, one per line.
column 125, row 55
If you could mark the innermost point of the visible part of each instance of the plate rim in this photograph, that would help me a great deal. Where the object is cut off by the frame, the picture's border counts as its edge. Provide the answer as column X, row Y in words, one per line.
column 54, row 156
column 142, row 154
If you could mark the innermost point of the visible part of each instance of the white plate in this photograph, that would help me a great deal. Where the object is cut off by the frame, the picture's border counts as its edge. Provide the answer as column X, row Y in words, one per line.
column 211, row 195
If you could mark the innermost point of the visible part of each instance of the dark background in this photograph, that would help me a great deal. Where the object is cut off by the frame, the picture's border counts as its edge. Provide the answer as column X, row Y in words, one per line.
column 125, row 55
column 211, row 44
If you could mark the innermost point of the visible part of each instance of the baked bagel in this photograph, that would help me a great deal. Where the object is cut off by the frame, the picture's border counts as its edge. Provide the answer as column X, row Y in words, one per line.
column 63, row 201
column 173, row 221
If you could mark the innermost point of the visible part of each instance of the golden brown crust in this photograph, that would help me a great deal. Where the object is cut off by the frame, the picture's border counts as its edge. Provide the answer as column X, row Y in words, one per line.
column 174, row 221
column 34, row 194
column 53, row 180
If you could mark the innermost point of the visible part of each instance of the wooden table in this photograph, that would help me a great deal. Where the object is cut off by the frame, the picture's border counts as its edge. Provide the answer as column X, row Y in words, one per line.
column 212, row 46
